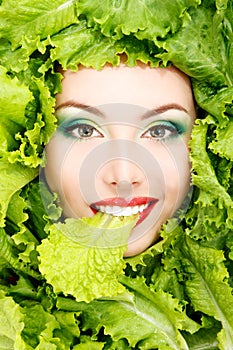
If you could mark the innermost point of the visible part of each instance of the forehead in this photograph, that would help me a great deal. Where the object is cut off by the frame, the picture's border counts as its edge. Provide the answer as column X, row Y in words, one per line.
column 139, row 85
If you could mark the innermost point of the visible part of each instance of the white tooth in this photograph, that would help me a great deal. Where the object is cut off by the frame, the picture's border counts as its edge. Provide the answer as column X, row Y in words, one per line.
column 108, row 209
column 141, row 208
column 116, row 211
column 135, row 209
column 120, row 212
column 127, row 211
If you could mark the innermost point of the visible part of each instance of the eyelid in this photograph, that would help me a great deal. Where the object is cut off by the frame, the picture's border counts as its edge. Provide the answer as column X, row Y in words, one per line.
column 176, row 117
column 75, row 112
column 67, row 124
column 76, row 121
column 178, row 126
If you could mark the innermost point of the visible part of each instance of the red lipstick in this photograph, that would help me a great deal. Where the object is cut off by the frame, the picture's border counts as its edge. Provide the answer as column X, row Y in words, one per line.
column 143, row 206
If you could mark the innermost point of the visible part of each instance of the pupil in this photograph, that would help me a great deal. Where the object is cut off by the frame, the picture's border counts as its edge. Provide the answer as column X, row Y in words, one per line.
column 157, row 131
column 85, row 131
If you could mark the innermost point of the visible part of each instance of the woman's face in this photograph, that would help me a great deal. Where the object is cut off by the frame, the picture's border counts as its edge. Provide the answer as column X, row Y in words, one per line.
column 122, row 146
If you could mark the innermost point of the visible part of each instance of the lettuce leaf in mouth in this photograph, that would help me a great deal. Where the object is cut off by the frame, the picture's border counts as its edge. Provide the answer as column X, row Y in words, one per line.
column 84, row 257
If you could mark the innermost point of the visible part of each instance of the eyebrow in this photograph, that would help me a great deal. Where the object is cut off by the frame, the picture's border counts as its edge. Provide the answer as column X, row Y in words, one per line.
column 163, row 109
column 83, row 106
column 96, row 111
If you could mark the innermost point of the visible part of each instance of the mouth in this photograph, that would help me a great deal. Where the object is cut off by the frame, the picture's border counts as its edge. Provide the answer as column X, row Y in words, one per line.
column 122, row 207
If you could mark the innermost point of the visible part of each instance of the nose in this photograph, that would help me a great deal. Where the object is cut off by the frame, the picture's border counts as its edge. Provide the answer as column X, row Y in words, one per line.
column 123, row 176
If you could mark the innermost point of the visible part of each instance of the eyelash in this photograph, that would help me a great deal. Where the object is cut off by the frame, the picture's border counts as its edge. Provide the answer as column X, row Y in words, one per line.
column 75, row 128
column 165, row 128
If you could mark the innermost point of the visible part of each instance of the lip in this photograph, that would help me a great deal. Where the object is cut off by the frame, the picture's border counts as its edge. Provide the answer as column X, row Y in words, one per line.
column 150, row 202
column 122, row 202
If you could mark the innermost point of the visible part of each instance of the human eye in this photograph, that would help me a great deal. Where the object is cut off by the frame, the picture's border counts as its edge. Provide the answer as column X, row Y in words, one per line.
column 162, row 130
column 80, row 129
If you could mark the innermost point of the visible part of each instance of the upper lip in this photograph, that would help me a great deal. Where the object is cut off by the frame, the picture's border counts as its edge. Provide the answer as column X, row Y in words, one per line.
column 123, row 202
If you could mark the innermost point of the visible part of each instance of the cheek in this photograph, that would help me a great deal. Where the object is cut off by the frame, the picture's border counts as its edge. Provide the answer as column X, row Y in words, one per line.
column 62, row 164
column 177, row 177
column 174, row 166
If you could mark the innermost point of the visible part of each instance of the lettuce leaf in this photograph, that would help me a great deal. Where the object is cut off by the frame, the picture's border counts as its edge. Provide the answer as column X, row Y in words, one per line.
column 90, row 254
column 212, row 194
column 13, row 177
column 121, row 18
column 12, row 115
column 81, row 44
column 34, row 19
column 207, row 55
column 39, row 327
column 11, row 320
column 207, row 286
column 157, row 318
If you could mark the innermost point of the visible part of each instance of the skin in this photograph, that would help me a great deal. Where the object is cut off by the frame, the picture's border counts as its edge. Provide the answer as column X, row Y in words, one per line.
column 132, row 142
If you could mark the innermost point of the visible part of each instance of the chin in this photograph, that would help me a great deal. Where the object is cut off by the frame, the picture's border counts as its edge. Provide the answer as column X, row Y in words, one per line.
column 141, row 244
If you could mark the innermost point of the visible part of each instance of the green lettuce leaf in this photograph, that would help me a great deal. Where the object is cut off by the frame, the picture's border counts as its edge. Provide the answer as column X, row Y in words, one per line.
column 20, row 234
column 205, row 339
column 34, row 19
column 222, row 143
column 90, row 254
column 87, row 343
column 80, row 44
column 207, row 286
column 151, row 319
column 39, row 327
column 212, row 194
column 119, row 18
column 215, row 101
column 13, row 178
column 12, row 115
column 206, row 58
column 68, row 329
column 11, row 321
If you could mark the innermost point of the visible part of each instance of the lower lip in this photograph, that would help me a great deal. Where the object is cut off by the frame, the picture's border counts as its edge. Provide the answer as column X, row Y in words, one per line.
column 143, row 215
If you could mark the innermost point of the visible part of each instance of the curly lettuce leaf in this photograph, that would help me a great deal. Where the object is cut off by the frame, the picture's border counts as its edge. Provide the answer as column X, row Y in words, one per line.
column 207, row 54
column 39, row 122
column 212, row 194
column 87, row 343
column 216, row 102
column 207, row 286
column 13, row 178
column 34, row 19
column 205, row 339
column 68, row 330
column 147, row 319
column 14, row 98
column 206, row 57
column 119, row 18
column 197, row 273
column 90, row 252
column 222, row 143
column 80, row 44
column 38, row 332
column 15, row 226
column 11, row 321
